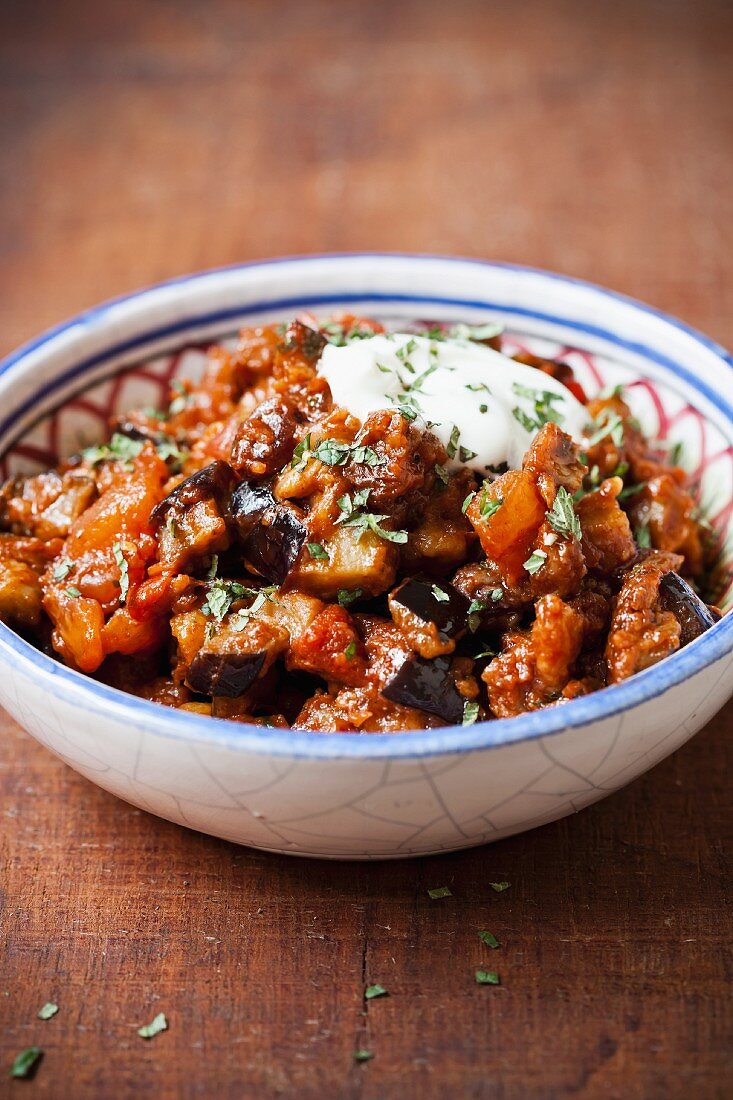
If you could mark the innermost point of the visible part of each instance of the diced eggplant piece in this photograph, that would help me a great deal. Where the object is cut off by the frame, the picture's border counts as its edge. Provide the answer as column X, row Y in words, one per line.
column 431, row 602
column 227, row 674
column 304, row 339
column 215, row 482
column 270, row 533
column 369, row 565
column 694, row 616
column 426, row 685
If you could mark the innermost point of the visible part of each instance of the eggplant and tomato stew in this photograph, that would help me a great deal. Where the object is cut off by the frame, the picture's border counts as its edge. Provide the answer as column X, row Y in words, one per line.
column 343, row 529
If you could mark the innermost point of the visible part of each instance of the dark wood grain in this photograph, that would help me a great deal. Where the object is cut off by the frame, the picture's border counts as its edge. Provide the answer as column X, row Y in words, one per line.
column 142, row 140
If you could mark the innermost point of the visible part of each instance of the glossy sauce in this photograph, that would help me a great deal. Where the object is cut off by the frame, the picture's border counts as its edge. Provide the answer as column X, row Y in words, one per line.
column 484, row 407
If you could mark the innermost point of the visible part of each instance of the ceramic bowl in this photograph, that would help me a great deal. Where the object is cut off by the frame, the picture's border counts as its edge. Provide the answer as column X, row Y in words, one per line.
column 369, row 796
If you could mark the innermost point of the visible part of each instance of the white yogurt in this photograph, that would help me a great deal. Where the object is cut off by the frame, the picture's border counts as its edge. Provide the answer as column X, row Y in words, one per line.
column 484, row 407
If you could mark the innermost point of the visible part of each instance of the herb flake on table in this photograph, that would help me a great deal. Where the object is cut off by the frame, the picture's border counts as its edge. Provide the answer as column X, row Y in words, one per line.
column 25, row 1062
column 48, row 1010
column 439, row 892
column 489, row 939
column 362, row 1055
column 149, row 1031
column 375, row 990
column 500, row 887
column 487, row 977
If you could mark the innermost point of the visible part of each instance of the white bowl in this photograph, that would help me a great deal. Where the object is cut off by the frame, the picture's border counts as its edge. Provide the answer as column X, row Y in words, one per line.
column 368, row 796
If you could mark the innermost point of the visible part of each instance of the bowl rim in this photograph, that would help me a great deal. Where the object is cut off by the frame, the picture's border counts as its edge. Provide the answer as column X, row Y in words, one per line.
column 80, row 690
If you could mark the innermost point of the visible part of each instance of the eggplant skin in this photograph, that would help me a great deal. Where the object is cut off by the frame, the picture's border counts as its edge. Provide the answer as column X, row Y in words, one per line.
column 270, row 534
column 228, row 674
column 694, row 616
column 215, row 482
column 426, row 685
column 418, row 597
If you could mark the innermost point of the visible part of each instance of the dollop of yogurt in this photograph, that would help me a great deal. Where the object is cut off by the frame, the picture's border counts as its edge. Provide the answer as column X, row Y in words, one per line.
column 483, row 406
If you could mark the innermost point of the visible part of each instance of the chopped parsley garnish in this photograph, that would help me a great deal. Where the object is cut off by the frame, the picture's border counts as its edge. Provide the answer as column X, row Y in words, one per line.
column 375, row 990
column 302, row 453
column 467, row 501
column 62, row 569
column 439, row 892
column 496, row 594
column 362, row 1055
column 477, row 387
column 442, row 473
column 489, row 505
column 339, row 335
column 317, row 551
column 476, row 333
column 452, row 445
column 243, row 617
column 542, row 401
column 119, row 449
column 48, row 1010
column 123, row 449
column 72, row 592
column 470, row 712
column 25, row 1062
column 612, row 391
column 350, row 651
column 353, row 516
column 404, row 409
column 179, row 403
column 346, row 597
column 643, row 536
column 489, row 939
column 154, row 1028
column 535, row 561
column 500, row 887
column 632, row 490
column 483, row 408
column 675, row 453
column 333, row 453
column 607, row 423
column 474, row 618
column 124, row 568
column 487, row 977
column 562, row 517
column 221, row 595
column 440, row 594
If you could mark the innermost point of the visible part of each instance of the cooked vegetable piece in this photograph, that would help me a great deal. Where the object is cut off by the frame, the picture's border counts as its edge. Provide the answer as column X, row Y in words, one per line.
column 426, row 685
column 431, row 614
column 694, row 616
column 227, row 674
column 270, row 534
column 214, row 482
column 368, row 564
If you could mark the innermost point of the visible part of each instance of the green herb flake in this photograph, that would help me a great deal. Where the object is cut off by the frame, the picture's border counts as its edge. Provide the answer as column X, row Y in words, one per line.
column 346, row 597
column 360, row 521
column 61, row 569
column 643, row 537
column 467, row 501
column 25, row 1062
column 301, row 454
column 124, row 568
column 149, row 1031
column 119, row 449
column 489, row 939
column 535, row 561
column 452, row 444
column 350, row 651
column 48, row 1010
column 496, row 594
column 489, row 505
column 675, row 453
column 72, row 592
column 440, row 594
column 477, row 333
column 317, row 551
column 375, row 990
column 607, row 423
column 562, row 517
column 470, row 712
column 632, row 490
column 487, row 977
column 474, row 617
column 499, row 887
column 439, row 892
column 442, row 473
column 362, row 1055
column 483, row 408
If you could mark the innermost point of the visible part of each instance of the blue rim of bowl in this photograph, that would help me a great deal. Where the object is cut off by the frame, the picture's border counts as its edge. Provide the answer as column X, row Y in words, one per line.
column 102, row 700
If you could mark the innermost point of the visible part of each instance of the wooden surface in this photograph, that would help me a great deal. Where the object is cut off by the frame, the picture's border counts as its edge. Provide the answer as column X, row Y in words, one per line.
column 143, row 140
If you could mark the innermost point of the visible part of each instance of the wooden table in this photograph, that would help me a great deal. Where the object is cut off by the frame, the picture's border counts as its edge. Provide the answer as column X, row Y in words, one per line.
column 144, row 140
